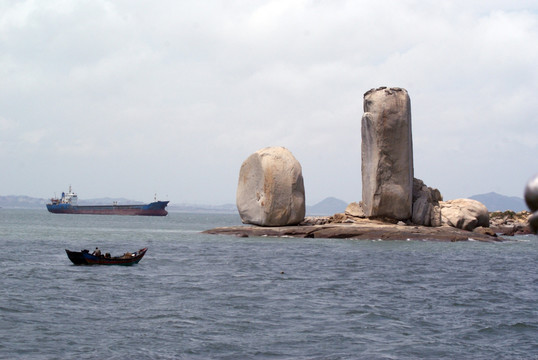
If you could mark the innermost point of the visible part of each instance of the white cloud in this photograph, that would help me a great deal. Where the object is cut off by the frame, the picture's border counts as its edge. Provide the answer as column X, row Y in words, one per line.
column 34, row 137
column 6, row 124
column 177, row 87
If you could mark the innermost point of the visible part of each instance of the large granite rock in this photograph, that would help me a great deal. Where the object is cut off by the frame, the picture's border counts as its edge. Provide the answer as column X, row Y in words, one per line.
column 387, row 154
column 426, row 208
column 465, row 214
column 270, row 191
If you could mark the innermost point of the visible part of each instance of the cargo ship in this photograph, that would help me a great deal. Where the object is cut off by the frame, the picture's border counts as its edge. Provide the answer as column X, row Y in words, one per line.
column 68, row 204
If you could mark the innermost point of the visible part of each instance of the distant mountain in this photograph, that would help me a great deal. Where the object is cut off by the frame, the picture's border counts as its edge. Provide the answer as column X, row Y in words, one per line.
column 195, row 208
column 21, row 202
column 328, row 206
column 108, row 201
column 493, row 201
column 26, row 202
column 497, row 202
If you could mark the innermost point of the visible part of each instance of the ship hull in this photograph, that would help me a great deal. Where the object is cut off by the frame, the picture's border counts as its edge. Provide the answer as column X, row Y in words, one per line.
column 156, row 208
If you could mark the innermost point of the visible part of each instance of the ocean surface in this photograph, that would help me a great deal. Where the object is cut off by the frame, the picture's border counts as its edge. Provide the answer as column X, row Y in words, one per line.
column 196, row 296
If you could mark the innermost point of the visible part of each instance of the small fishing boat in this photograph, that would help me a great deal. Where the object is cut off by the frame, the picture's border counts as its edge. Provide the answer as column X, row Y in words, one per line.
column 84, row 257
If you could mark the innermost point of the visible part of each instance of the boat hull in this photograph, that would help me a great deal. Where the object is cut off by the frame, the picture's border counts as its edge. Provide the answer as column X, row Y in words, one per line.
column 76, row 257
column 85, row 258
column 156, row 208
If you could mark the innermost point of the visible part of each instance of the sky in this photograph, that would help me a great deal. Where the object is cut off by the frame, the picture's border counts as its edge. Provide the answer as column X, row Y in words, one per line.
column 135, row 98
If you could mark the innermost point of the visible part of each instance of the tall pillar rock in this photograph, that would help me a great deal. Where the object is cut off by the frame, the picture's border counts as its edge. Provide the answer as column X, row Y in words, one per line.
column 387, row 154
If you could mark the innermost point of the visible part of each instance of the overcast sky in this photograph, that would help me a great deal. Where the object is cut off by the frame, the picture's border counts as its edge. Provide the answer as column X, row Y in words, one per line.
column 131, row 98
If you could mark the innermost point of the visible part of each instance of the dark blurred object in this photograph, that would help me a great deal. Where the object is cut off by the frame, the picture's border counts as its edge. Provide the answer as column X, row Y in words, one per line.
column 531, row 198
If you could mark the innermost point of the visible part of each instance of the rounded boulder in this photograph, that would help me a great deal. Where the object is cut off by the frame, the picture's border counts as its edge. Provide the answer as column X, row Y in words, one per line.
column 466, row 214
column 270, row 191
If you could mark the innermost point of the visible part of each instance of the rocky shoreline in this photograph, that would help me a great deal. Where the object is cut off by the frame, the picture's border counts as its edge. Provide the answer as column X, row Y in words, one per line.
column 509, row 223
column 342, row 226
column 271, row 196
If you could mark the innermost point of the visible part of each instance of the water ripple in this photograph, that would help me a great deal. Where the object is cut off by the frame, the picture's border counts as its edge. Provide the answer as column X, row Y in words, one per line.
column 197, row 296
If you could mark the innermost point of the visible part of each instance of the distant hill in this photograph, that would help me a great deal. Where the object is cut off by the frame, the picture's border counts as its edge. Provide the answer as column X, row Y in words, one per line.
column 26, row 202
column 497, row 202
column 21, row 202
column 493, row 201
column 195, row 208
column 328, row 206
column 108, row 201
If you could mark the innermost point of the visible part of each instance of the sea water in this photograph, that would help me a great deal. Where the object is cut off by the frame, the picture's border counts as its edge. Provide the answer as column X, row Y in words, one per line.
column 198, row 296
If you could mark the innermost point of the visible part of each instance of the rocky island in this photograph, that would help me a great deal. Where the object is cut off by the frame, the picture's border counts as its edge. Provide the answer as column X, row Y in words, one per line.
column 347, row 226
column 395, row 205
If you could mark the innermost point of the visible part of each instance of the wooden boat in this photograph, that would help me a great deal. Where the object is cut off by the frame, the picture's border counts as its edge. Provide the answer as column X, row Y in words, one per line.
column 85, row 258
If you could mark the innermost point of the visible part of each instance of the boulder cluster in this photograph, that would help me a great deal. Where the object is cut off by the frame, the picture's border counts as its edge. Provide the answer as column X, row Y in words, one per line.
column 271, row 192
column 510, row 222
column 426, row 204
column 428, row 210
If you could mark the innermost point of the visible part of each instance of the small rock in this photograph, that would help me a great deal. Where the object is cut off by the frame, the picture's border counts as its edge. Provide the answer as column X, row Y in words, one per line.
column 355, row 209
column 338, row 218
column 485, row 231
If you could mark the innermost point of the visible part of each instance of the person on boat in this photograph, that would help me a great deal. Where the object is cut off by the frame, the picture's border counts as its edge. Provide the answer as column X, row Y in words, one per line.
column 96, row 252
